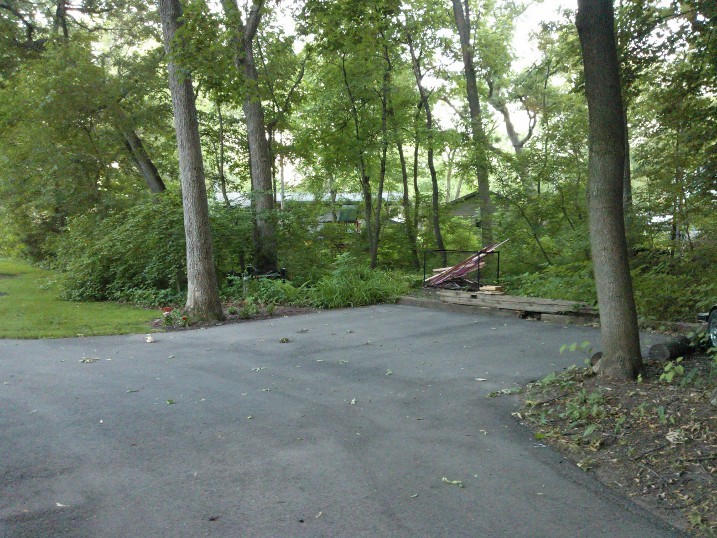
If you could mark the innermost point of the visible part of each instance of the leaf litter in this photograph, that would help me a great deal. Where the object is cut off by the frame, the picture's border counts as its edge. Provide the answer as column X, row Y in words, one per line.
column 653, row 441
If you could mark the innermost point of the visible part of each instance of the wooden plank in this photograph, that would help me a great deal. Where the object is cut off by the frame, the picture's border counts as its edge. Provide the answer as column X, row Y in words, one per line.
column 491, row 288
column 513, row 302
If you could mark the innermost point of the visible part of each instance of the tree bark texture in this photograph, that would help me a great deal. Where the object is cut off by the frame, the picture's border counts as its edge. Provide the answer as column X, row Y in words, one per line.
column 618, row 317
column 262, row 199
column 143, row 162
column 463, row 24
column 203, row 292
column 406, row 203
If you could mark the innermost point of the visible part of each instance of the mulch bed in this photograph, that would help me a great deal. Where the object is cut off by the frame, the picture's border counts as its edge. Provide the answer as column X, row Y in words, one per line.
column 654, row 441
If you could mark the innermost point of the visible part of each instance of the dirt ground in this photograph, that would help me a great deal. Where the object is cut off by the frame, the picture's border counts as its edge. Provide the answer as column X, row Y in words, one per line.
column 654, row 440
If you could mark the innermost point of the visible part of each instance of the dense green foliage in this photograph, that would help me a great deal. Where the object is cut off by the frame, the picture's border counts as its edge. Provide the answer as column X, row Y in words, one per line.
column 349, row 283
column 341, row 97
column 138, row 255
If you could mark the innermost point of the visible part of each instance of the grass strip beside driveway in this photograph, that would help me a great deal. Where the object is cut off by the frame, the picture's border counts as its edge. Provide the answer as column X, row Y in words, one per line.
column 30, row 308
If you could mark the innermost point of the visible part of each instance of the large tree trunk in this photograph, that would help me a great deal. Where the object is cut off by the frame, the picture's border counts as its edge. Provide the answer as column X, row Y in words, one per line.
column 463, row 24
column 202, row 293
column 618, row 317
column 143, row 162
column 435, row 202
column 265, row 248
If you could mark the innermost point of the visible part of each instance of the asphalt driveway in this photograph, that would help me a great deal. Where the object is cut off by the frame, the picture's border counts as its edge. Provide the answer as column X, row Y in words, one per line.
column 346, row 429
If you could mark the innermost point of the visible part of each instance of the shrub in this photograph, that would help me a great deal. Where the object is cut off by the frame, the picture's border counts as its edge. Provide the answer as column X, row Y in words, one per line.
column 672, row 297
column 671, row 290
column 352, row 283
column 127, row 255
column 279, row 292
column 138, row 254
column 572, row 282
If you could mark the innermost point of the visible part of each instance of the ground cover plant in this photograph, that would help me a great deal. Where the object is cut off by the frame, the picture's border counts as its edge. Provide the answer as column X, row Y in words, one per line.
column 653, row 440
column 30, row 308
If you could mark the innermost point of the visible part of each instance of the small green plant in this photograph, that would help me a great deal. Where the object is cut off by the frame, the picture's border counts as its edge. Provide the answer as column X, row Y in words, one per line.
column 584, row 347
column 618, row 424
column 699, row 339
column 549, row 379
column 584, row 406
column 250, row 308
column 270, row 308
column 641, row 410
column 673, row 370
column 232, row 310
column 176, row 318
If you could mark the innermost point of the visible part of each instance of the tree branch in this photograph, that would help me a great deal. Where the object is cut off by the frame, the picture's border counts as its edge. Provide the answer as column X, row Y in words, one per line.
column 252, row 22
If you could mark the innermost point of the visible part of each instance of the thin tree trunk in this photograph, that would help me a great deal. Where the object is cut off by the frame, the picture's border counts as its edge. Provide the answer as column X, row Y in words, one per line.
column 627, row 181
column 416, row 191
column 463, row 24
column 406, row 203
column 518, row 143
column 203, row 292
column 618, row 317
column 143, row 162
column 379, row 195
column 61, row 18
column 265, row 247
column 362, row 168
column 220, row 160
column 435, row 201
column 385, row 100
column 449, row 173
column 282, row 181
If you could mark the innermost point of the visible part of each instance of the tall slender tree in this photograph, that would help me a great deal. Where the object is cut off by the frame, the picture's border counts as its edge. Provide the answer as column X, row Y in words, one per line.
column 202, row 289
column 461, row 13
column 621, row 357
column 423, row 92
column 242, row 37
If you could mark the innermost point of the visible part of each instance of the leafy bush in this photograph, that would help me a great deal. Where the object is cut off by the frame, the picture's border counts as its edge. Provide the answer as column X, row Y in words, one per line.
column 670, row 297
column 138, row 255
column 278, row 292
column 572, row 282
column 126, row 255
column 352, row 283
column 667, row 290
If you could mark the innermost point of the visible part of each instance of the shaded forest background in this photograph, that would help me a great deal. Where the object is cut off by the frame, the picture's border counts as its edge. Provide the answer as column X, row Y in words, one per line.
column 365, row 105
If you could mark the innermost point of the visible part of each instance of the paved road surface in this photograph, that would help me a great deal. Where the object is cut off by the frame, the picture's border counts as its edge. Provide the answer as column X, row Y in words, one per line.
column 345, row 431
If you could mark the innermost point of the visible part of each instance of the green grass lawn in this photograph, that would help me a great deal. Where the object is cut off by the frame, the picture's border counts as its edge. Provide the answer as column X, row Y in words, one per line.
column 30, row 308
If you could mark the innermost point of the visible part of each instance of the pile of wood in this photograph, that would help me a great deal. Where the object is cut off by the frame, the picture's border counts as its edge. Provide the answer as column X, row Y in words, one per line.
column 457, row 273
